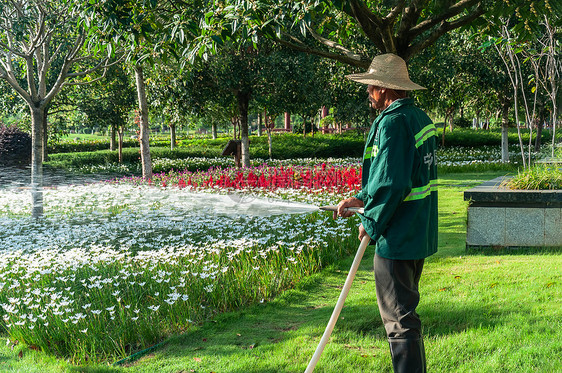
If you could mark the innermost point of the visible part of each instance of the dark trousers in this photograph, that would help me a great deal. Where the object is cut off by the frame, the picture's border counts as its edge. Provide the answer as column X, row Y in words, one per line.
column 398, row 296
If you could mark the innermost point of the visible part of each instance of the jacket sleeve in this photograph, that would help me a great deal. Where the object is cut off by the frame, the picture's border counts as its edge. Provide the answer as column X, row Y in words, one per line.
column 389, row 175
column 360, row 195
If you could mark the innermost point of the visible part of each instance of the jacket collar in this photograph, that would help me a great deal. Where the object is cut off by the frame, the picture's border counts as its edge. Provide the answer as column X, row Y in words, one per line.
column 397, row 104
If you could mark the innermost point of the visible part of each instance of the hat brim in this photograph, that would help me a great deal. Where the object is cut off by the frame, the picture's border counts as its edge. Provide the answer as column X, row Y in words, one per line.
column 399, row 84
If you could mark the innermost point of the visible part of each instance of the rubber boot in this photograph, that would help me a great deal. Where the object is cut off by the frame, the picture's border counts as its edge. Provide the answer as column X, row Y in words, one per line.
column 408, row 355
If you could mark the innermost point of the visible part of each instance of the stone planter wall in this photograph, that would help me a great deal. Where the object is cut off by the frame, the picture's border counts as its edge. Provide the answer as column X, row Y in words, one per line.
column 499, row 217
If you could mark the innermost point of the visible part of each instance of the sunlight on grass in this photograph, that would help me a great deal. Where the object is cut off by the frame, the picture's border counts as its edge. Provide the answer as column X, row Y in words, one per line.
column 482, row 311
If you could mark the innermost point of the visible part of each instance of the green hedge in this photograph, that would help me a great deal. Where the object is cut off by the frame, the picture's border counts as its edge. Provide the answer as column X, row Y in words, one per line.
column 285, row 146
column 130, row 156
column 477, row 138
column 288, row 145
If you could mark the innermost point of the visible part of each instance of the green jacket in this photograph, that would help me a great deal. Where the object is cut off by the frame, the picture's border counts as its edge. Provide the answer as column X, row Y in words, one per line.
column 399, row 183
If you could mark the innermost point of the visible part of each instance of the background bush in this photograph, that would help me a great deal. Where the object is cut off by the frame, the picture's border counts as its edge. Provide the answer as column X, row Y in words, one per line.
column 15, row 146
column 462, row 122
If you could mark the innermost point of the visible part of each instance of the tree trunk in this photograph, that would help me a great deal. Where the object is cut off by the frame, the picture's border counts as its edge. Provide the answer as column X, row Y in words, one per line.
column 269, row 143
column 214, row 130
column 144, row 130
column 45, row 138
column 243, row 103
column 113, row 138
column 259, row 124
column 120, row 133
column 538, row 139
column 172, row 136
column 37, row 127
column 451, row 118
column 505, row 126
column 554, row 112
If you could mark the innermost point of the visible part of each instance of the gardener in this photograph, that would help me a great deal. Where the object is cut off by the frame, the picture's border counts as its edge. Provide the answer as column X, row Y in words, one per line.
column 399, row 197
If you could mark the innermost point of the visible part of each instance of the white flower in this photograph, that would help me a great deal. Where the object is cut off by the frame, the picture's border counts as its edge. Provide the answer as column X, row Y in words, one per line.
column 153, row 308
column 110, row 308
column 209, row 288
column 96, row 312
column 134, row 318
column 84, row 330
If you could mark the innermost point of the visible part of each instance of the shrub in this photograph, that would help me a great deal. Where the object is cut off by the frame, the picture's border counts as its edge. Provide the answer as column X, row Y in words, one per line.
column 462, row 122
column 538, row 177
column 15, row 146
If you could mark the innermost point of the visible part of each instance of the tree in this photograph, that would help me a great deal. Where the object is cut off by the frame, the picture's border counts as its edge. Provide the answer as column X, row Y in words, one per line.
column 460, row 74
column 40, row 51
column 346, row 31
column 511, row 36
column 37, row 36
column 108, row 103
column 151, row 31
column 292, row 82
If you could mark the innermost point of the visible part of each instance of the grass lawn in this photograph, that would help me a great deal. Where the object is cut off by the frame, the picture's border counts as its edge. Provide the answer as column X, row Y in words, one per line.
column 481, row 311
column 83, row 136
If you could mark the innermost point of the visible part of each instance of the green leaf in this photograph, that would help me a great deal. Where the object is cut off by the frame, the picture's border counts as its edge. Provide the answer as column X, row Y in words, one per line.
column 217, row 39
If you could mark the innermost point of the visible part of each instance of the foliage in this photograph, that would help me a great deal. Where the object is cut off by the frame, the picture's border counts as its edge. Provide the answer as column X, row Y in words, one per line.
column 101, row 291
column 347, row 31
column 503, row 306
column 462, row 122
column 108, row 101
column 15, row 146
column 539, row 176
column 286, row 146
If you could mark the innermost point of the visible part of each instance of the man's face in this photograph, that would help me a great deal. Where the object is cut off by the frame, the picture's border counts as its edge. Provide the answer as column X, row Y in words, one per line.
column 375, row 97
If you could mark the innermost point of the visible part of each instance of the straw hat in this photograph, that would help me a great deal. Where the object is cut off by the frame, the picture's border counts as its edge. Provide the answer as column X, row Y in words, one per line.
column 387, row 71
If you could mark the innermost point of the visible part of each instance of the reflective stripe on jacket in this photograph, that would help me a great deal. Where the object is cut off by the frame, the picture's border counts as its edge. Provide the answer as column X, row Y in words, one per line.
column 399, row 183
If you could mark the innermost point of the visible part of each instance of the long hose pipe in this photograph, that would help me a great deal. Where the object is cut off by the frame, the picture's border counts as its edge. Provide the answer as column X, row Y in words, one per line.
column 341, row 300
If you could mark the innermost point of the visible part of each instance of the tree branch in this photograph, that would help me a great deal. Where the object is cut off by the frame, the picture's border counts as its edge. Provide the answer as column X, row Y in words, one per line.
column 333, row 44
column 102, row 65
column 391, row 17
column 9, row 77
column 454, row 10
column 410, row 17
column 301, row 47
column 368, row 22
column 444, row 28
column 17, row 53
column 30, row 76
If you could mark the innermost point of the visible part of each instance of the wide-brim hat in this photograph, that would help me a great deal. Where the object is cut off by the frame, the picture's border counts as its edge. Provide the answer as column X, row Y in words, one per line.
column 387, row 71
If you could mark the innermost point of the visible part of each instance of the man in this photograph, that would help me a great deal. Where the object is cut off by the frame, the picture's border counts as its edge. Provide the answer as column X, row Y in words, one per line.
column 399, row 196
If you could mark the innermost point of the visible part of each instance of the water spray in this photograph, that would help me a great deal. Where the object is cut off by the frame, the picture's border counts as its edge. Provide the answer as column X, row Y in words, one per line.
column 339, row 305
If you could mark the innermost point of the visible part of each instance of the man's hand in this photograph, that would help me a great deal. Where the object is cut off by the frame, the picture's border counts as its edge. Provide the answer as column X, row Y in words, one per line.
column 349, row 202
column 362, row 232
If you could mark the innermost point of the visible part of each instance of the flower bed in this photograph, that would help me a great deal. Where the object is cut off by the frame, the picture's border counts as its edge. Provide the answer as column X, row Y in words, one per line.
column 113, row 268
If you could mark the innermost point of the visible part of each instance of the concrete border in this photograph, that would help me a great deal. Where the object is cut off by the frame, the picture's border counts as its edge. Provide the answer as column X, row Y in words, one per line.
column 501, row 217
